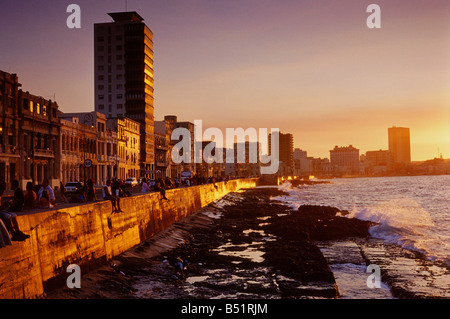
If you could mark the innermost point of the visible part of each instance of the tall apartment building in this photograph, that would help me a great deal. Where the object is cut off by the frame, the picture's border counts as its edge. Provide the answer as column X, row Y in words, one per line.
column 286, row 153
column 123, row 52
column 399, row 144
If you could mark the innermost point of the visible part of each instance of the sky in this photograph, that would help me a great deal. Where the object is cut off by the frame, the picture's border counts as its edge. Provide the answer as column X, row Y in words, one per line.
column 310, row 68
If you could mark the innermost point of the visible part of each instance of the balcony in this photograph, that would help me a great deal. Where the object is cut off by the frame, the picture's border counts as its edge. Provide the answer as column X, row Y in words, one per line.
column 161, row 164
column 44, row 153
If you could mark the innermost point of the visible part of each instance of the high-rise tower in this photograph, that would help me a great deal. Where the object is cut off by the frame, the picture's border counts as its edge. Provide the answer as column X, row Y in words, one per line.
column 399, row 144
column 124, row 76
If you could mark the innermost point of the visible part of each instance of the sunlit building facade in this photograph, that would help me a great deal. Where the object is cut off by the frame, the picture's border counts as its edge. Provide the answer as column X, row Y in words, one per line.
column 399, row 144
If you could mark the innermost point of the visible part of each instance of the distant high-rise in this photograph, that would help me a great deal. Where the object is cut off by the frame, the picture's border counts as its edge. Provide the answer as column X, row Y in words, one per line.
column 286, row 153
column 399, row 144
column 124, row 76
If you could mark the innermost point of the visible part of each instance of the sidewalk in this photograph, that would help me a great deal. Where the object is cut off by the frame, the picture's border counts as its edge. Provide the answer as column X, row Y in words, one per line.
column 8, row 195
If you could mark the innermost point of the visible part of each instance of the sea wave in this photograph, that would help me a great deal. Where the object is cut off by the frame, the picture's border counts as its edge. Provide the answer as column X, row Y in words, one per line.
column 402, row 222
column 399, row 219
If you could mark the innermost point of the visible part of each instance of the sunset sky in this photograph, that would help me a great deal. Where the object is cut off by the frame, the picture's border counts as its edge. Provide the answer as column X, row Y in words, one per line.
column 310, row 68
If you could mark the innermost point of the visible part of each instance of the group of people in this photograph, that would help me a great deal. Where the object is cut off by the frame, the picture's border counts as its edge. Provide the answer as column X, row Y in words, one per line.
column 113, row 190
column 9, row 227
column 159, row 186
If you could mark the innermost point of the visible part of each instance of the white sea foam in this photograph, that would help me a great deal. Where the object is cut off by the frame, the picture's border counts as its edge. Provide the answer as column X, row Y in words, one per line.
column 403, row 222
column 412, row 212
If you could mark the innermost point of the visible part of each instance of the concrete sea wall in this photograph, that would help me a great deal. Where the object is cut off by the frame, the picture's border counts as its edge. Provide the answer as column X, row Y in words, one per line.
column 88, row 235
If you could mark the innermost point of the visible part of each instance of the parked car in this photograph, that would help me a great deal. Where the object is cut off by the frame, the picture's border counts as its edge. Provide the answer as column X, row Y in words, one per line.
column 71, row 187
column 131, row 181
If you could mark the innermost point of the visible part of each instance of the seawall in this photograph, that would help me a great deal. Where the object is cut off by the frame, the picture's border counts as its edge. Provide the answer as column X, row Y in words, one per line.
column 89, row 235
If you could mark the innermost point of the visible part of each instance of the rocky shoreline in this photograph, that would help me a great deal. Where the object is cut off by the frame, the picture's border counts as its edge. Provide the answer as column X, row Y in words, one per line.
column 247, row 246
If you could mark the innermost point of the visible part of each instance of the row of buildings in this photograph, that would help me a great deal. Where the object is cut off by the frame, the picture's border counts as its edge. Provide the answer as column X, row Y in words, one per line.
column 38, row 141
column 120, row 137
column 347, row 160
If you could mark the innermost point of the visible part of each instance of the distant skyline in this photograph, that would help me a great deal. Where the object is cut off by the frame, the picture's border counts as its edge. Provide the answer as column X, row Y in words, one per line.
column 310, row 68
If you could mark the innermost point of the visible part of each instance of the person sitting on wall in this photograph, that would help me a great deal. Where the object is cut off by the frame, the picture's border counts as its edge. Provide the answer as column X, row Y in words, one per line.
column 5, row 239
column 46, row 187
column 9, row 218
column 30, row 197
column 90, row 193
column 145, row 187
column 45, row 202
column 108, row 195
column 160, row 187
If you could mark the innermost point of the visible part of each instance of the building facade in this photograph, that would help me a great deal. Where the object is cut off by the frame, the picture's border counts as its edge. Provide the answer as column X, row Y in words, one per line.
column 399, row 144
column 94, row 144
column 10, row 158
column 162, row 141
column 125, row 152
column 29, row 135
column 345, row 160
column 123, row 52
column 286, row 154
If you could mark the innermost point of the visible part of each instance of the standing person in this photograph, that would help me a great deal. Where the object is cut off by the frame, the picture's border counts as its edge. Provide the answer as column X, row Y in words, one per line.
column 159, row 186
column 108, row 195
column 62, row 192
column 30, row 197
column 2, row 190
column 46, row 187
column 90, row 193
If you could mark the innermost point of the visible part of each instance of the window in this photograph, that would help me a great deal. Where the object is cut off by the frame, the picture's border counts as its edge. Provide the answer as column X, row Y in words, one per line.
column 101, row 97
column 38, row 108
column 26, row 104
column 119, row 106
column 101, row 87
column 44, row 110
column 101, row 77
column 101, row 107
column 119, row 96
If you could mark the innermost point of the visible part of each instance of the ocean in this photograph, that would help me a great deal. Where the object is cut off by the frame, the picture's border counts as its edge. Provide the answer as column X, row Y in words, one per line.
column 412, row 212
